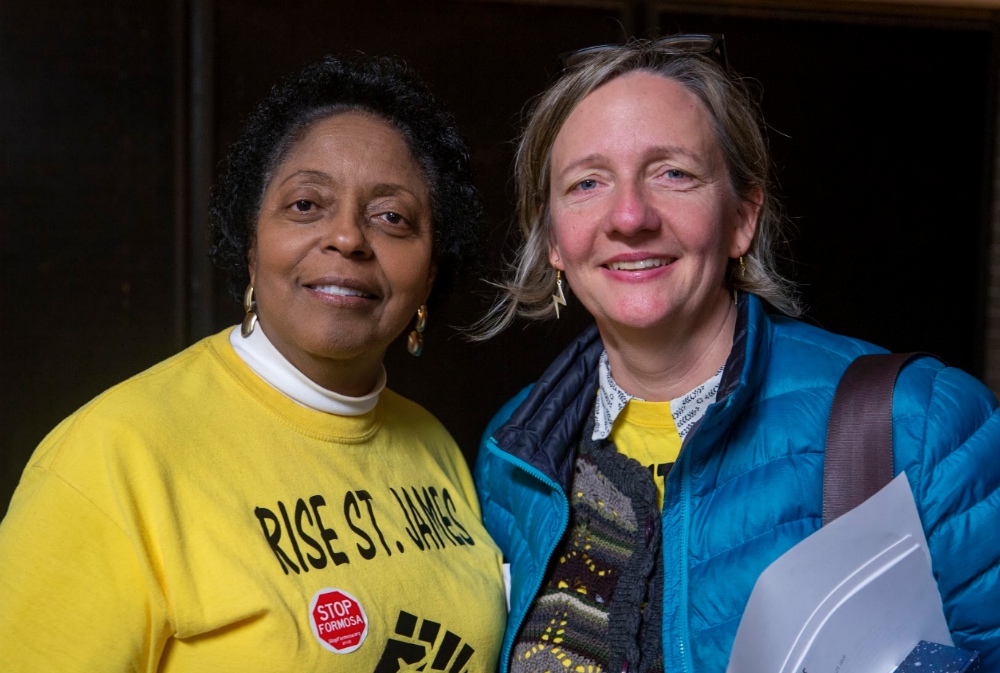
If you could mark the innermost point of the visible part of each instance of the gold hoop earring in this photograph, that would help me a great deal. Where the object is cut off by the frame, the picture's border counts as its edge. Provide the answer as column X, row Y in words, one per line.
column 250, row 319
column 415, row 342
column 559, row 297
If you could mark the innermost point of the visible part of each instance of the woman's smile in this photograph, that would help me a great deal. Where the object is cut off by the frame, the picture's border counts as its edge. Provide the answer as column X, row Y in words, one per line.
column 342, row 287
column 340, row 291
column 639, row 265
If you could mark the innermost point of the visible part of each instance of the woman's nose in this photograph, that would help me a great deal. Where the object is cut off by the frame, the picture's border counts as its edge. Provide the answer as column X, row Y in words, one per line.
column 631, row 211
column 346, row 233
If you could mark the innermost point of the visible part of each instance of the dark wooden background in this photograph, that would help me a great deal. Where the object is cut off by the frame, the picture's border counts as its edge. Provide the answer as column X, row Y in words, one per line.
column 115, row 114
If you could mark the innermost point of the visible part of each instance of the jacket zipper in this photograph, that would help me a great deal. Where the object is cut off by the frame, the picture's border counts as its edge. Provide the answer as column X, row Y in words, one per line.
column 684, row 636
column 685, row 494
column 715, row 409
column 564, row 522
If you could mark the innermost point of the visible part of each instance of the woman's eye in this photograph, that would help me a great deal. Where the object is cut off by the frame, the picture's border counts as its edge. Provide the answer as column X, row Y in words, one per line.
column 586, row 185
column 393, row 218
column 303, row 205
column 675, row 174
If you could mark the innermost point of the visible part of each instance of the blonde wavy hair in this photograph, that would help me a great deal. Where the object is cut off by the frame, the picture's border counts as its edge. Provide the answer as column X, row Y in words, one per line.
column 530, row 279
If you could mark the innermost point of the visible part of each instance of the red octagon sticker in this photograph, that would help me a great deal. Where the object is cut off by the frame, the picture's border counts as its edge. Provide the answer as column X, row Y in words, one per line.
column 338, row 621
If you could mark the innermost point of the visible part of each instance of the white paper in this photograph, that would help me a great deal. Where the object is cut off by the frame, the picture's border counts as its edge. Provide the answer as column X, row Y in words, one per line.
column 854, row 597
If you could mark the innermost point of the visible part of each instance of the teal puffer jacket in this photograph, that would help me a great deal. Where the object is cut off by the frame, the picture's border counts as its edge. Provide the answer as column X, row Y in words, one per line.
column 748, row 483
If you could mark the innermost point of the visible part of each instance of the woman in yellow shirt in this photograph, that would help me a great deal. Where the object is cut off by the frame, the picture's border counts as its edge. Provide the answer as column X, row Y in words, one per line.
column 260, row 501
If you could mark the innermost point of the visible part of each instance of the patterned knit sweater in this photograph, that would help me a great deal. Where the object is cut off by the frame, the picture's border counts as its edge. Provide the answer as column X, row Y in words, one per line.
column 600, row 606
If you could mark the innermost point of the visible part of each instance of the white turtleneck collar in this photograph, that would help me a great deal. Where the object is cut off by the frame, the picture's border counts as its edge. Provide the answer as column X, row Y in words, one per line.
column 263, row 358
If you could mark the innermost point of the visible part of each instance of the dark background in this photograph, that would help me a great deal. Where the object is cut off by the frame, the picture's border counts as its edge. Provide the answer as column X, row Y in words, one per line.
column 114, row 116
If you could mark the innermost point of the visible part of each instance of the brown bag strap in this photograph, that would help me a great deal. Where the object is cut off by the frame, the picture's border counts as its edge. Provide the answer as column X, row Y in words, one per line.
column 858, row 459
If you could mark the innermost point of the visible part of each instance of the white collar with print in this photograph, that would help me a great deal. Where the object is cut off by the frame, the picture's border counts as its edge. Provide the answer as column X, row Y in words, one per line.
column 687, row 410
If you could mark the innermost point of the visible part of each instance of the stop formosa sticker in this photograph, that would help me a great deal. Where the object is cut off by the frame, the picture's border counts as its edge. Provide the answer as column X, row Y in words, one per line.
column 338, row 621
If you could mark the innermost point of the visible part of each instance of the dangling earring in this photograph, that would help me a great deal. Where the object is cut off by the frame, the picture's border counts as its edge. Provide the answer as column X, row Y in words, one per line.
column 743, row 273
column 415, row 342
column 558, row 297
column 250, row 319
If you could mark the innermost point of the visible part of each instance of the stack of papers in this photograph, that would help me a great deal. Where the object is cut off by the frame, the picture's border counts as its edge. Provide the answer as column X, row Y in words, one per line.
column 854, row 597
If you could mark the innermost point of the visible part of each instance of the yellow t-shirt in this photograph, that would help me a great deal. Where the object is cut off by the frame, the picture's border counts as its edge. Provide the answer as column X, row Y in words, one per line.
column 645, row 431
column 194, row 518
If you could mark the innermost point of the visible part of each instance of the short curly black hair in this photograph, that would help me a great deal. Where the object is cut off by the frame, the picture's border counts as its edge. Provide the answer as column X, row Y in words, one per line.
column 380, row 85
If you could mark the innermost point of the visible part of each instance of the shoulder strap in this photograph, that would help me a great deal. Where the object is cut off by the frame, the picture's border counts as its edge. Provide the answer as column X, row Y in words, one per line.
column 858, row 459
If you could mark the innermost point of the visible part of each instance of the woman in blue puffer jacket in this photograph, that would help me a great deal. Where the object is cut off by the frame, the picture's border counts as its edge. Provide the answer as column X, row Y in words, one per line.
column 675, row 450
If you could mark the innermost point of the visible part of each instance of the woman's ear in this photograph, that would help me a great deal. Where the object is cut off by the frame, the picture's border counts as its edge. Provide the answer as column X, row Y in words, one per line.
column 252, row 265
column 431, row 275
column 747, row 212
column 555, row 259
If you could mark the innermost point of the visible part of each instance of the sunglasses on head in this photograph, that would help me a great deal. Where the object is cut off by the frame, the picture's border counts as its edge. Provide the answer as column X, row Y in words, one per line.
column 707, row 44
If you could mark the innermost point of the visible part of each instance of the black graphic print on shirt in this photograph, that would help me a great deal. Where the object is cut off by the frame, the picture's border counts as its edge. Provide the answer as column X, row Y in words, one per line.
column 313, row 532
column 423, row 649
